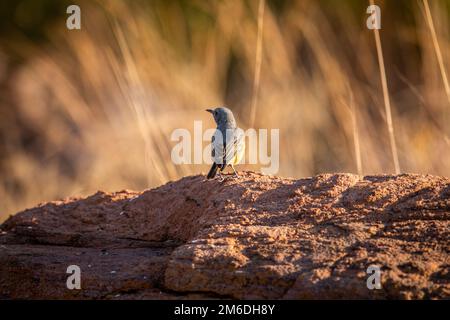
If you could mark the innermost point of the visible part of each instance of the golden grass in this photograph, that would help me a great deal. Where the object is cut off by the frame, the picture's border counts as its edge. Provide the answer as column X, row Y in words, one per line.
column 258, row 60
column 94, row 109
column 440, row 59
column 387, row 101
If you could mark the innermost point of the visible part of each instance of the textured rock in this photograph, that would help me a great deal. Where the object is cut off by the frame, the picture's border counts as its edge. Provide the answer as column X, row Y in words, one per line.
column 249, row 237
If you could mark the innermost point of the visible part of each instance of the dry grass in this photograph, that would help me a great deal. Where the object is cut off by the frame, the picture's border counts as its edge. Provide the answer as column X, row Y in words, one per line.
column 94, row 109
column 387, row 101
column 258, row 61
column 437, row 49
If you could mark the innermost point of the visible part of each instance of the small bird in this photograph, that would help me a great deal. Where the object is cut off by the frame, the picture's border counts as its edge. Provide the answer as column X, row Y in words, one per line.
column 227, row 144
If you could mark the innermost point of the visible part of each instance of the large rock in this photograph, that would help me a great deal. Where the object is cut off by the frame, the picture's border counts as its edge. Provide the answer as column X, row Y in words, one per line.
column 249, row 237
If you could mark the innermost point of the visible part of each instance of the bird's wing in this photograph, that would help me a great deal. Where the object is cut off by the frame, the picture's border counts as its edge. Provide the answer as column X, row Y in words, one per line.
column 225, row 147
column 234, row 146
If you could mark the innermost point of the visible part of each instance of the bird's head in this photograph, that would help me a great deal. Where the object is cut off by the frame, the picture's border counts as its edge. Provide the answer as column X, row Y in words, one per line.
column 223, row 117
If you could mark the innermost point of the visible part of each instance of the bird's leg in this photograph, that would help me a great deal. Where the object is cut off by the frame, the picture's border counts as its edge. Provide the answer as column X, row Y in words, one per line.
column 235, row 173
column 219, row 172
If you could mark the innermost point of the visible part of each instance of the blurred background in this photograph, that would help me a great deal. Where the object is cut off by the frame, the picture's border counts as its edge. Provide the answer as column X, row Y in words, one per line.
column 93, row 109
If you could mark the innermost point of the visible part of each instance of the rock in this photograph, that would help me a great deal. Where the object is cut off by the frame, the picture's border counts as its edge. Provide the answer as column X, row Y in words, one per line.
column 255, row 236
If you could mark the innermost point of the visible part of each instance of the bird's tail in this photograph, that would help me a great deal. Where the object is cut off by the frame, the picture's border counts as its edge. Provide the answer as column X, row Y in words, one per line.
column 212, row 172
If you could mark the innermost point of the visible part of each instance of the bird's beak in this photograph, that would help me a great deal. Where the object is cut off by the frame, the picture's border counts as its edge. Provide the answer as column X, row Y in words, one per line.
column 209, row 110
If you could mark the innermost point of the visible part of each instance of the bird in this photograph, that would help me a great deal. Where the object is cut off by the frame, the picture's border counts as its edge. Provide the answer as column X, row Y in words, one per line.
column 227, row 143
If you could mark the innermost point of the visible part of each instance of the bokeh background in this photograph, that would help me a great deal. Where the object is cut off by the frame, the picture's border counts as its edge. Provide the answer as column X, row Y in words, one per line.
column 94, row 109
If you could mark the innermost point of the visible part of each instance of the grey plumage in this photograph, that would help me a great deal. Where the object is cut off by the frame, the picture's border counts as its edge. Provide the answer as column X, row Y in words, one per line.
column 227, row 142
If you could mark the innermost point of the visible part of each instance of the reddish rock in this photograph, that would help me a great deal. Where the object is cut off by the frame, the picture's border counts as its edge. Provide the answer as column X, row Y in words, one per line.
column 249, row 237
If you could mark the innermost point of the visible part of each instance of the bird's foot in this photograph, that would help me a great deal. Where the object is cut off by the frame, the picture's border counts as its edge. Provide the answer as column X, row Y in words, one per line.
column 221, row 178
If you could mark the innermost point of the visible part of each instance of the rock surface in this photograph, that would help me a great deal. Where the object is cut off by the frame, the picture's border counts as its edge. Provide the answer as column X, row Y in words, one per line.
column 254, row 236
